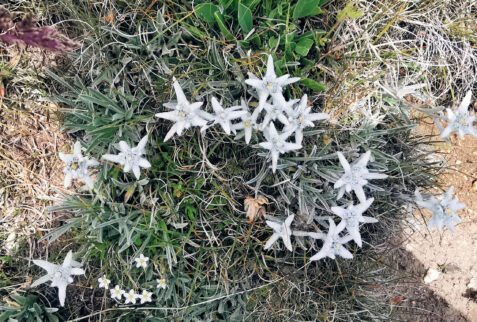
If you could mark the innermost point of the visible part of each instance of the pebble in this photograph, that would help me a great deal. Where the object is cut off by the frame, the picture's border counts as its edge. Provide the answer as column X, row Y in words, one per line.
column 472, row 284
column 431, row 276
column 458, row 162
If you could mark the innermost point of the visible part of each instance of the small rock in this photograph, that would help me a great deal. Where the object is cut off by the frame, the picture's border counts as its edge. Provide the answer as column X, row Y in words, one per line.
column 431, row 276
column 458, row 162
column 472, row 284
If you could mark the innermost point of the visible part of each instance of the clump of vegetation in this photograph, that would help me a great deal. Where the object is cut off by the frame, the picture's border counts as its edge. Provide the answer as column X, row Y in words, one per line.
column 175, row 228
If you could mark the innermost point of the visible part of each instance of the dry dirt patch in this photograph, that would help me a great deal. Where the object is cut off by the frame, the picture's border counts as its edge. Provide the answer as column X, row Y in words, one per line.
column 453, row 257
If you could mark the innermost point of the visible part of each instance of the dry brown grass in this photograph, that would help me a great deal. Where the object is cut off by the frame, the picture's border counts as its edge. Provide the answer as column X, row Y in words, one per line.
column 30, row 138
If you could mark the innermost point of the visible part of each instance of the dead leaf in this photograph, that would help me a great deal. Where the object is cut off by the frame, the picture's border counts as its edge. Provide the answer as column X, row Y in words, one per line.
column 110, row 17
column 397, row 300
column 474, row 185
column 255, row 207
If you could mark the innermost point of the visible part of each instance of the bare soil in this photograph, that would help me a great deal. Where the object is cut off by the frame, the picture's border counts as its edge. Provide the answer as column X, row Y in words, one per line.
column 453, row 295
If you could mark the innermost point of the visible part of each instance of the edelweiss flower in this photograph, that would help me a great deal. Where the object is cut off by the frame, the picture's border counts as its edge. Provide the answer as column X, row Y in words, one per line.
column 270, row 85
column 444, row 211
column 104, row 282
column 161, row 283
column 276, row 144
column 145, row 296
column 352, row 216
column 278, row 111
column 248, row 123
column 141, row 261
column 117, row 293
column 461, row 121
column 280, row 230
column 130, row 297
column 184, row 114
column 224, row 116
column 59, row 275
column 333, row 243
column 77, row 166
column 130, row 158
column 300, row 118
column 355, row 176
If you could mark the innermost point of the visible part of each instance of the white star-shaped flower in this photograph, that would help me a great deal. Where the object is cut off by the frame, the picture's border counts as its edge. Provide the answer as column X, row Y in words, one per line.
column 444, row 211
column 278, row 111
column 104, row 282
column 59, row 275
column 161, row 283
column 276, row 144
column 130, row 297
column 248, row 122
column 141, row 261
column 145, row 296
column 301, row 117
column 280, row 230
column 130, row 158
column 224, row 116
column 77, row 166
column 270, row 85
column 184, row 114
column 117, row 293
column 352, row 216
column 356, row 176
column 461, row 121
column 333, row 244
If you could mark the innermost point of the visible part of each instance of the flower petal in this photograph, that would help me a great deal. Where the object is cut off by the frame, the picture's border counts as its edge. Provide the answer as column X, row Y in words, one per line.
column 343, row 161
column 136, row 171
column 143, row 163
column 116, row 158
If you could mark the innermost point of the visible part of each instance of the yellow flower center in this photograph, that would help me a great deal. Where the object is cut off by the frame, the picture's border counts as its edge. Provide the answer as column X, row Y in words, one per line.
column 74, row 165
column 247, row 123
column 301, row 119
column 448, row 211
column 337, row 246
column 182, row 114
column 270, row 85
column 463, row 122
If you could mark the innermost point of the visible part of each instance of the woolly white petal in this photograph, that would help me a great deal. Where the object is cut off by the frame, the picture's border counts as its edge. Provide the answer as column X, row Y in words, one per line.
column 116, row 158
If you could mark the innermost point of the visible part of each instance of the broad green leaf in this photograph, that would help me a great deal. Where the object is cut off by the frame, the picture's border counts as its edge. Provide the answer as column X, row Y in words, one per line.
column 306, row 8
column 206, row 11
column 314, row 85
column 303, row 46
column 227, row 34
column 245, row 18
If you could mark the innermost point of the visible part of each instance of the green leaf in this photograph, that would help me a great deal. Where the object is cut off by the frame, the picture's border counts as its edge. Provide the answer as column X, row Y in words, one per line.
column 314, row 85
column 227, row 34
column 303, row 46
column 245, row 18
column 206, row 11
column 349, row 12
column 272, row 42
column 306, row 8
